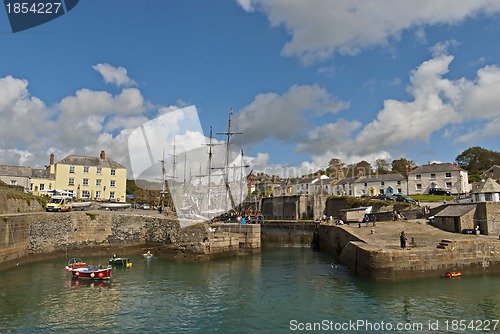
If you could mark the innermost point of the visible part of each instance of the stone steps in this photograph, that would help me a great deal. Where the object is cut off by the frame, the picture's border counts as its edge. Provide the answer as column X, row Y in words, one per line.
column 444, row 243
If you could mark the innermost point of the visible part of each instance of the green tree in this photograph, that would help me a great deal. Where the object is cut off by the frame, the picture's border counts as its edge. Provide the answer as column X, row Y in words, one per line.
column 335, row 168
column 381, row 166
column 402, row 165
column 477, row 160
column 363, row 168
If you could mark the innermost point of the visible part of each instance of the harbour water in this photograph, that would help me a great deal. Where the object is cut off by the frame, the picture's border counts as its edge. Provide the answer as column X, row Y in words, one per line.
column 279, row 290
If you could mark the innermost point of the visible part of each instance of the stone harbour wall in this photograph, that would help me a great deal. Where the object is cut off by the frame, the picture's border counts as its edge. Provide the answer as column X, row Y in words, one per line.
column 473, row 256
column 75, row 233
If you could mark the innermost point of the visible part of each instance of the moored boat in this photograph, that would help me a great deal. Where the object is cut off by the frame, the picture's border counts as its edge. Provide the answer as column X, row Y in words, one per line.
column 120, row 261
column 148, row 255
column 453, row 274
column 79, row 269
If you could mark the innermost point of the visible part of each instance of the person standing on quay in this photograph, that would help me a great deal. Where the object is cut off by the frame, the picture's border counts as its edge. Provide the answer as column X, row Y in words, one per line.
column 402, row 240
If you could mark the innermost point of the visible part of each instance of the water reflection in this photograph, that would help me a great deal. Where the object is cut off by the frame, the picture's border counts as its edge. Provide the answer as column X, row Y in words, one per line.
column 244, row 294
column 82, row 283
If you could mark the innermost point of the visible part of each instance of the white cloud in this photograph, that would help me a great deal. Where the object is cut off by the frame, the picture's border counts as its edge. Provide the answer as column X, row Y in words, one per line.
column 324, row 138
column 321, row 28
column 114, row 75
column 284, row 116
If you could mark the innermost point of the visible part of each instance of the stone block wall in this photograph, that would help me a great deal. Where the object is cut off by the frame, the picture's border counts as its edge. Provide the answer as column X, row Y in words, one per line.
column 480, row 255
column 45, row 233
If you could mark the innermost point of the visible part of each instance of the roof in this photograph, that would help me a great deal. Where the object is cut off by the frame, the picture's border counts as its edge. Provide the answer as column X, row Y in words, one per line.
column 381, row 177
column 488, row 186
column 41, row 174
column 431, row 168
column 78, row 160
column 346, row 180
column 19, row 171
column 493, row 172
column 456, row 210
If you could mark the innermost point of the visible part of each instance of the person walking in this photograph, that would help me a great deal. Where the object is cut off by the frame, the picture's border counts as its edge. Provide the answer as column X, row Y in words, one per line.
column 402, row 240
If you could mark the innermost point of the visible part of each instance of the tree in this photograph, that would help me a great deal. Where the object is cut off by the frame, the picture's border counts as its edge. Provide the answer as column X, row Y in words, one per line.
column 335, row 168
column 363, row 168
column 402, row 165
column 477, row 160
column 382, row 166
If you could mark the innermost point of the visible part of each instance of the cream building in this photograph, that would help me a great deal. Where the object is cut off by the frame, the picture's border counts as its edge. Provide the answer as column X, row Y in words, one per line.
column 92, row 178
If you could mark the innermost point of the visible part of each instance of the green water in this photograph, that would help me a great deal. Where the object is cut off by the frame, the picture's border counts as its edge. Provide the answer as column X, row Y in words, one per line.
column 280, row 290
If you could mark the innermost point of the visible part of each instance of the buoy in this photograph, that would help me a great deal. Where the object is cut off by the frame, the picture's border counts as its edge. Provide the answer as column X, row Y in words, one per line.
column 100, row 275
column 92, row 275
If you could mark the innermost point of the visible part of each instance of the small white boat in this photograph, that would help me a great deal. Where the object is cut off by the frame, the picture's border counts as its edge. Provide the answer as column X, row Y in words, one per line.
column 81, row 205
column 114, row 206
column 148, row 255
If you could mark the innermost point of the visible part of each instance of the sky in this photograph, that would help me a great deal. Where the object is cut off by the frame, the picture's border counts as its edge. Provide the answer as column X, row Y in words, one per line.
column 307, row 81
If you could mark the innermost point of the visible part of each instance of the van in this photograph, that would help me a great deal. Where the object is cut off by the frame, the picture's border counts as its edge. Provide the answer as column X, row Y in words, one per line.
column 59, row 203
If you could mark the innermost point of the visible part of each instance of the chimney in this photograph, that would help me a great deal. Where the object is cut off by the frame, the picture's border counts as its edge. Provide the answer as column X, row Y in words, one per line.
column 52, row 166
column 103, row 155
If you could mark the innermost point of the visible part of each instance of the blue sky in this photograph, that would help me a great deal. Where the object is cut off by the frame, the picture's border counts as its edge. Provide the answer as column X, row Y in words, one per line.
column 308, row 81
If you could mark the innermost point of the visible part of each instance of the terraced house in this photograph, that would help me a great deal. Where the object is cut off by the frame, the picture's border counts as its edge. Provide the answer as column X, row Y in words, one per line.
column 443, row 175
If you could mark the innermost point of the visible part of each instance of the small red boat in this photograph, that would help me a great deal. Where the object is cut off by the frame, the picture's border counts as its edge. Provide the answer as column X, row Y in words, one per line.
column 79, row 269
column 452, row 274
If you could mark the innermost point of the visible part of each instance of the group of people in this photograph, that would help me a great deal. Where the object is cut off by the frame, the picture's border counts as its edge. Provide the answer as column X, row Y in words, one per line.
column 396, row 216
column 331, row 219
column 367, row 219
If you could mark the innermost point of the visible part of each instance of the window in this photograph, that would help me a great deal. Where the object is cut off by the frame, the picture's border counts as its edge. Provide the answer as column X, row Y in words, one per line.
column 433, row 176
column 98, row 182
column 72, row 169
column 85, row 182
column 98, row 194
column 448, row 185
column 111, row 195
column 418, row 177
column 71, row 181
column 99, row 171
column 42, row 186
column 399, row 183
column 86, row 169
column 112, row 184
column 113, row 172
column 382, row 183
column 13, row 182
column 448, row 175
column 31, row 186
column 366, row 184
column 488, row 197
column 381, row 191
column 400, row 191
column 418, row 186
column 86, row 194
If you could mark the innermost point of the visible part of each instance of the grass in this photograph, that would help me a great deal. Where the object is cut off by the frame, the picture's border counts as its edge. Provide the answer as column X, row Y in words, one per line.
column 431, row 198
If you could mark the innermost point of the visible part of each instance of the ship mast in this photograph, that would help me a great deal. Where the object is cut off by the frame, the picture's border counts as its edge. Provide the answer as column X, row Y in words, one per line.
column 228, row 133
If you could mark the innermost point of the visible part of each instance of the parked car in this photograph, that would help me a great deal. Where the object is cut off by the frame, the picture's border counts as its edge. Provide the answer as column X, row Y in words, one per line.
column 404, row 198
column 439, row 191
column 385, row 198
